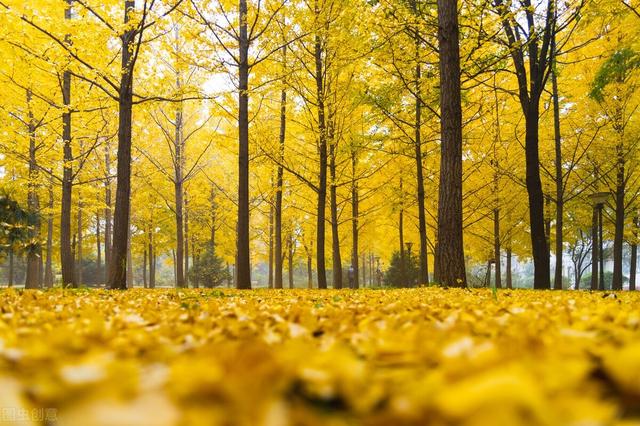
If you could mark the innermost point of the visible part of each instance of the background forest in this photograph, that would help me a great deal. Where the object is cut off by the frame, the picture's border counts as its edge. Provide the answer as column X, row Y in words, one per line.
column 300, row 140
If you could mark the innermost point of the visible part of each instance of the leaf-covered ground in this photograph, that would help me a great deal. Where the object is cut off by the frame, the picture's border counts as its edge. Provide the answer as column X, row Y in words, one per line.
column 304, row 357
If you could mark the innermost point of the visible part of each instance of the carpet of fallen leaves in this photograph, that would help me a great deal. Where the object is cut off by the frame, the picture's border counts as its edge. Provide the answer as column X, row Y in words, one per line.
column 306, row 357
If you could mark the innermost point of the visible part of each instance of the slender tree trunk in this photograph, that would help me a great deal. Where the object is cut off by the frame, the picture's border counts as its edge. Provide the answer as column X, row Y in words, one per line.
column 354, row 219
column 370, row 270
column 279, row 181
column 130, row 282
column 547, row 219
column 186, row 240
column 79, row 244
column 34, row 254
column 364, row 269
column 212, row 237
column 559, row 178
column 66, row 255
column 422, row 228
column 182, row 238
column 291, row 249
column 309, row 271
column 496, row 247
column 634, row 256
column 175, row 267
column 487, row 278
column 595, row 255
column 243, row 268
column 179, row 200
column 335, row 235
column 271, row 229
column 48, row 269
column 422, row 220
column 618, row 240
column 322, row 174
column 144, row 269
column 118, row 265
column 98, row 247
column 194, row 255
column 508, row 266
column 107, row 214
column 403, row 268
column 450, row 257
column 152, row 260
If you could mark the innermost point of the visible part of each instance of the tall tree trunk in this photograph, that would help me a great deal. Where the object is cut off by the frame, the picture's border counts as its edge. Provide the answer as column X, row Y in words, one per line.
column 195, row 259
column 540, row 248
column 34, row 254
column 129, row 263
column 634, row 256
column 559, row 178
column 496, row 247
column 173, row 255
column 547, row 219
column 107, row 213
column 79, row 244
column 182, row 232
column 595, row 255
column 496, row 190
column 370, row 270
column 186, row 240
column 212, row 237
column 290, row 256
column 487, row 278
column 243, row 266
column 335, row 235
column 48, row 269
column 354, row 219
column 118, row 266
column 508, row 266
column 322, row 150
column 535, row 53
column 98, row 247
column 450, row 257
column 271, row 213
column 279, row 181
column 403, row 266
column 179, row 199
column 618, row 240
column 66, row 255
column 152, row 259
column 144, row 269
column 309, row 271
column 422, row 220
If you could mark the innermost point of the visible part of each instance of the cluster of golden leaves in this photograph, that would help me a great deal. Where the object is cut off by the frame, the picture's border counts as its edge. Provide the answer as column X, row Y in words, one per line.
column 305, row 357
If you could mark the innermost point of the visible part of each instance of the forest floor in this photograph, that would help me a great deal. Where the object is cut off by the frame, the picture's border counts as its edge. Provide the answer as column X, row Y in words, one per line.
column 304, row 357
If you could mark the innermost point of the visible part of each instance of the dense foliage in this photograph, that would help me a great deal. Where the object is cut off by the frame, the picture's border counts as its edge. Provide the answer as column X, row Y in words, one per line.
column 208, row 270
column 402, row 271
column 15, row 226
